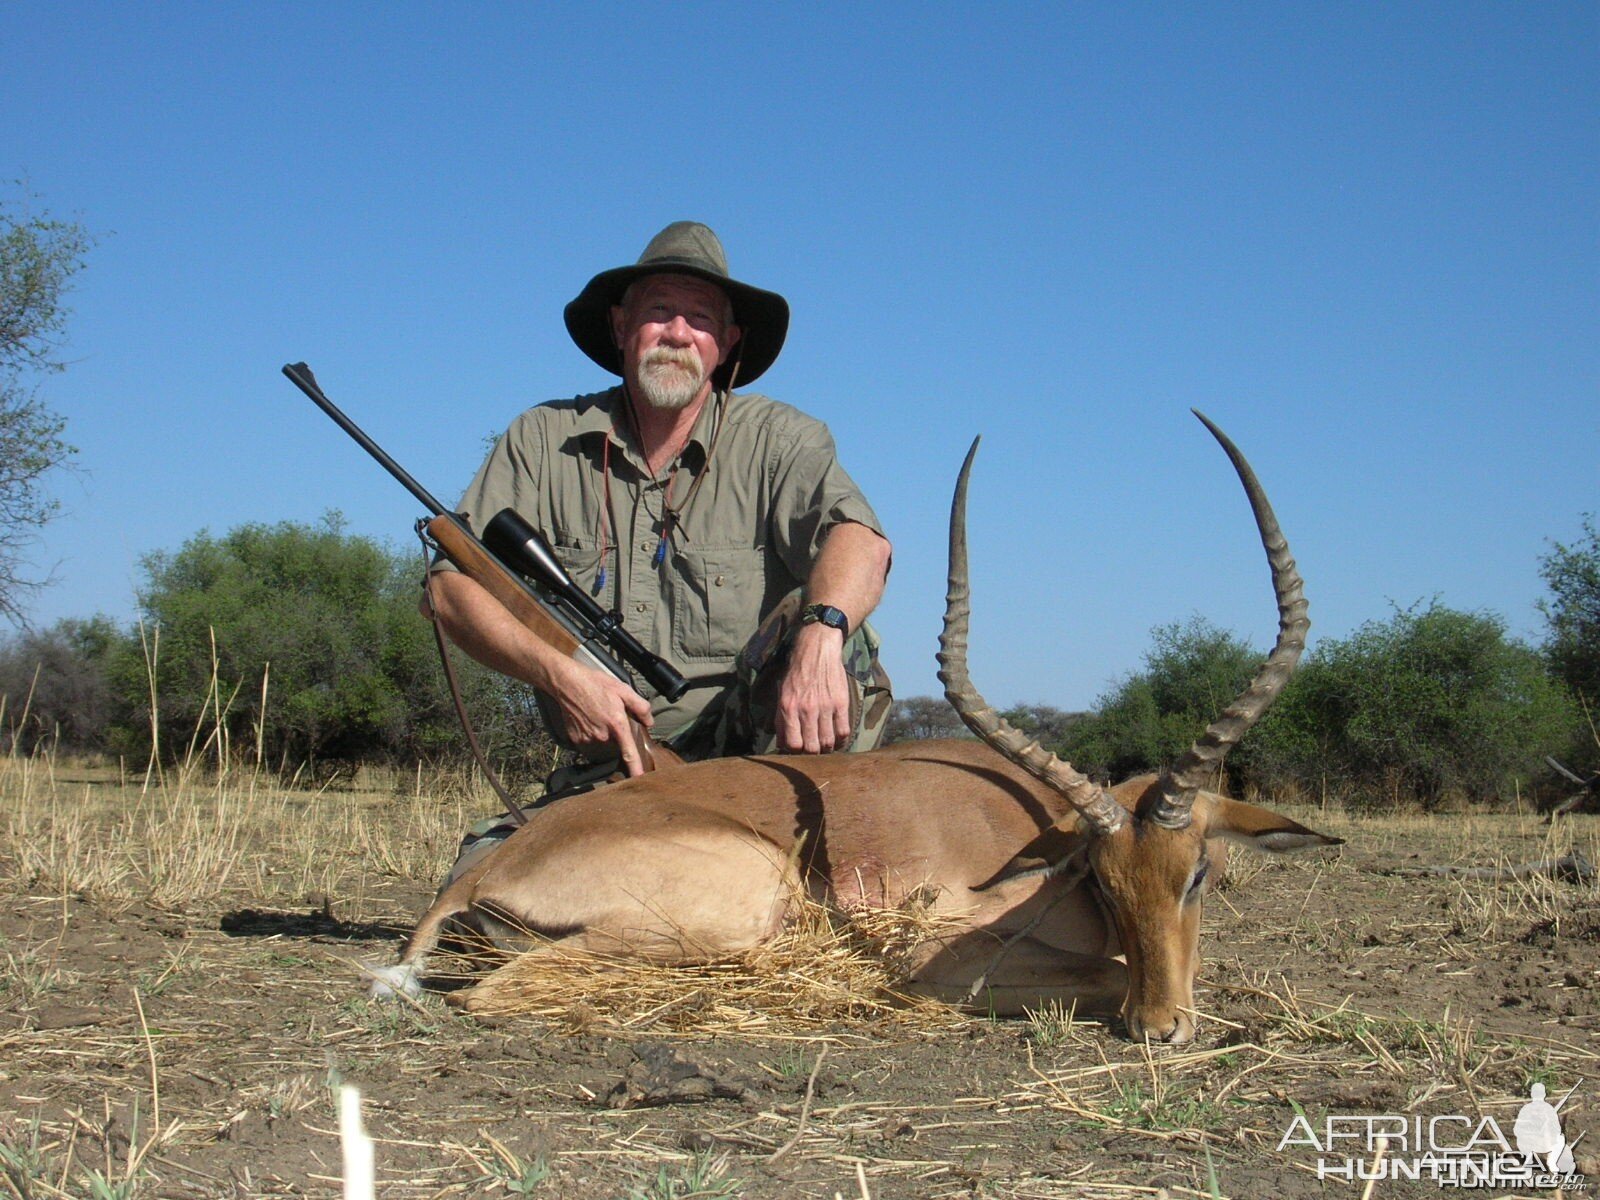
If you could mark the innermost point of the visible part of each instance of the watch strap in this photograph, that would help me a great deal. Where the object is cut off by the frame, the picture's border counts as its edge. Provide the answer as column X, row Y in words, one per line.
column 825, row 614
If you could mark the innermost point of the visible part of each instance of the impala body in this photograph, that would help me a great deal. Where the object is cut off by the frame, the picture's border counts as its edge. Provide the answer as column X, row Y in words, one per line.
column 1052, row 889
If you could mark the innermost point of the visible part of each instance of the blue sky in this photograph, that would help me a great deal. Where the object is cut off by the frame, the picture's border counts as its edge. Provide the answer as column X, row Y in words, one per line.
column 1364, row 238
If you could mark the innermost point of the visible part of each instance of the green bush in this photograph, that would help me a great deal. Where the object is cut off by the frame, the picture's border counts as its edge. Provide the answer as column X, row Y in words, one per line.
column 310, row 636
column 1428, row 706
column 1191, row 673
column 1431, row 705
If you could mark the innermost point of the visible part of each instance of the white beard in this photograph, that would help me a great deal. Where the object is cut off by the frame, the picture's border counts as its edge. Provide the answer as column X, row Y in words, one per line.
column 670, row 379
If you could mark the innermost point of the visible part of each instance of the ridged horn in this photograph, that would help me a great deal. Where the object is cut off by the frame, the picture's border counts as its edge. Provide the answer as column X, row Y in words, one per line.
column 1174, row 808
column 1104, row 815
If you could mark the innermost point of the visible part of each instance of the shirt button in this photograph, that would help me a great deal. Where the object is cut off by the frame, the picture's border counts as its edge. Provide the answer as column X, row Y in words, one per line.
column 638, row 608
column 644, row 545
column 719, row 580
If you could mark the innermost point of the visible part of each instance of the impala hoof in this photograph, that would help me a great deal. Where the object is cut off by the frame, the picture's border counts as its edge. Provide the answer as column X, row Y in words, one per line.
column 402, row 979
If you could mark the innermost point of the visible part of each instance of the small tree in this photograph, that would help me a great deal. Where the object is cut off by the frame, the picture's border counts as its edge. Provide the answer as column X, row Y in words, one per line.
column 1045, row 723
column 38, row 258
column 323, row 623
column 1573, row 612
column 920, row 717
column 1191, row 673
column 56, row 686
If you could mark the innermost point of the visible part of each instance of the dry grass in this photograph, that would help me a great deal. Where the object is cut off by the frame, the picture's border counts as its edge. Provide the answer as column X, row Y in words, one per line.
column 192, row 837
column 1327, row 984
column 825, row 967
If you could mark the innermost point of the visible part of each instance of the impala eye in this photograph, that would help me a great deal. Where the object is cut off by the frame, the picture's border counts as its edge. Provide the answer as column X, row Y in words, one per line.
column 1199, row 877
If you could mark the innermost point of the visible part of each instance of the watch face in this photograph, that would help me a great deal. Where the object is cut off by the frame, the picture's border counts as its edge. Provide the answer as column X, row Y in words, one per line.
column 825, row 614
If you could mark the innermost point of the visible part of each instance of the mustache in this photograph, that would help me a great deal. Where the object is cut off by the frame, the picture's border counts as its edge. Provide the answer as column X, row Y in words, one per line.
column 685, row 357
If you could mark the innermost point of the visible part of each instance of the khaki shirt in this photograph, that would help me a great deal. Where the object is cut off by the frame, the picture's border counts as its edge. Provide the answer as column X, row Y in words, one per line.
column 771, row 491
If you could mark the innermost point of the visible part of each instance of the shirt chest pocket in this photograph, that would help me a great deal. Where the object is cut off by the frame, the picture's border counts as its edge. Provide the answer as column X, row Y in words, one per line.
column 581, row 562
column 716, row 600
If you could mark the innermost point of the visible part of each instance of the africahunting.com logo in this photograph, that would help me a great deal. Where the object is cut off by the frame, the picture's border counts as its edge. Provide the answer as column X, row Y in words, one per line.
column 1451, row 1151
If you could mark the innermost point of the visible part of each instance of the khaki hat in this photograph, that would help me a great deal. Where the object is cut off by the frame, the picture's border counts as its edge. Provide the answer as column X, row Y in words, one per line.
column 682, row 248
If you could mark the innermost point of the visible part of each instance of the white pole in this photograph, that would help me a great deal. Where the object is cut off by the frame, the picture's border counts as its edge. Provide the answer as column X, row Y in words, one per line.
column 358, row 1154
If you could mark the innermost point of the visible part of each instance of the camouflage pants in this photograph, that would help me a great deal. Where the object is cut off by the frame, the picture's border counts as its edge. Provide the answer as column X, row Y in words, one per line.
column 745, row 723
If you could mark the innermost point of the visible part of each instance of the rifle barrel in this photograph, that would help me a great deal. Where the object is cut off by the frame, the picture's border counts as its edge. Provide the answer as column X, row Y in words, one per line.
column 300, row 375
column 1568, row 1096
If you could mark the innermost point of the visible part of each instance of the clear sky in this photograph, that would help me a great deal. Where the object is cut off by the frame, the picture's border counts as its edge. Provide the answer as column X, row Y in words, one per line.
column 1364, row 238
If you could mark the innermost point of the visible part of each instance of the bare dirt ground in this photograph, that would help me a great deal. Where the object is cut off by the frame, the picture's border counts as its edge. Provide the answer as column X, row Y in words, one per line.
column 178, row 1000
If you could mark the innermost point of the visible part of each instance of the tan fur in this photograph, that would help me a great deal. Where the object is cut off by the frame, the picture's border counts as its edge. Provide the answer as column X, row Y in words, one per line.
column 698, row 862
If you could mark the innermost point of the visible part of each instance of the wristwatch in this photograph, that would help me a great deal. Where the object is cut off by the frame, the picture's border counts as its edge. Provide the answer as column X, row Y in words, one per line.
column 825, row 614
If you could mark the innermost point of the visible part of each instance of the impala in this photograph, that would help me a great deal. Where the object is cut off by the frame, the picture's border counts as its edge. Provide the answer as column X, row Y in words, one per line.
column 1049, row 887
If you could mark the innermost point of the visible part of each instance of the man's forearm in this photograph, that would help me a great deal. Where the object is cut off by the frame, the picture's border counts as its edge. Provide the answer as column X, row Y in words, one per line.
column 814, row 701
column 850, row 571
column 484, row 629
column 595, row 706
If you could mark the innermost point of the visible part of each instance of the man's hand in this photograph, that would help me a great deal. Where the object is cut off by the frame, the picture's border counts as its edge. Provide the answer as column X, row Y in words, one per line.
column 813, row 714
column 594, row 704
column 814, row 700
column 595, row 709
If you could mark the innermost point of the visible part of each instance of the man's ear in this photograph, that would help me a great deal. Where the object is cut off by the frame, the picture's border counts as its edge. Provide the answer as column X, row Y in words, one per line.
column 1262, row 829
column 730, row 339
column 618, row 318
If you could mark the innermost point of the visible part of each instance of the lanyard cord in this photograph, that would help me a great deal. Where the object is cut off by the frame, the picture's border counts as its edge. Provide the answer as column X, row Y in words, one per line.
column 671, row 517
column 605, row 510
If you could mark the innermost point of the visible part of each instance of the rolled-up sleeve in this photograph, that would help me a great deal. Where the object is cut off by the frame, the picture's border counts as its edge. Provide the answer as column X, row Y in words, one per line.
column 811, row 494
column 508, row 478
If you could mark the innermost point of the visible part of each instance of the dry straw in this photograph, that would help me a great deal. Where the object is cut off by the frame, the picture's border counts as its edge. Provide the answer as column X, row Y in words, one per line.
column 825, row 967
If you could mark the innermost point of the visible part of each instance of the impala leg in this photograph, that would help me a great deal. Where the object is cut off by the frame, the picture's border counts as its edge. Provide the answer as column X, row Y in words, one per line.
column 1028, row 976
column 705, row 887
column 698, row 887
column 453, row 901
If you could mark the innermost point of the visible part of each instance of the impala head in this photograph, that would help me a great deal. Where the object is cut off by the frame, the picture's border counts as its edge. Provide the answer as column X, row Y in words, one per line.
column 1147, row 845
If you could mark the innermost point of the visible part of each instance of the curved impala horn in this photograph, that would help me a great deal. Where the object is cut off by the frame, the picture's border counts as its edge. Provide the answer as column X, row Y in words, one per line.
column 1103, row 814
column 1174, row 808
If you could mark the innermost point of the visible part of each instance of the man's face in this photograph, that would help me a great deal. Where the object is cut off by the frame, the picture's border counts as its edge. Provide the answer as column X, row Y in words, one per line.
column 673, row 331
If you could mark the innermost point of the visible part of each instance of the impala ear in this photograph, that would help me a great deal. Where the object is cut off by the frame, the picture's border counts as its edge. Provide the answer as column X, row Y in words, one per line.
column 1262, row 829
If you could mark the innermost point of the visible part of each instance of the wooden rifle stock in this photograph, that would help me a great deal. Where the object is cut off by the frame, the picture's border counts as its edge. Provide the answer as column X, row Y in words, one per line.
column 474, row 561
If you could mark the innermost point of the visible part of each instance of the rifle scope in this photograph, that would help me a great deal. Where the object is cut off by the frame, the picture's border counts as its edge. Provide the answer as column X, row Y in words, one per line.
column 520, row 546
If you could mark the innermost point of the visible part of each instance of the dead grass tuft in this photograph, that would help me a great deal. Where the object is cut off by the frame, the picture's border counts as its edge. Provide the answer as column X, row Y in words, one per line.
column 827, row 966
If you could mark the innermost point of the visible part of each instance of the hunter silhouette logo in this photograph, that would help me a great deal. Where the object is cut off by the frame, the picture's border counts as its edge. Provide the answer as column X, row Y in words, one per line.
column 1538, row 1132
column 1449, row 1150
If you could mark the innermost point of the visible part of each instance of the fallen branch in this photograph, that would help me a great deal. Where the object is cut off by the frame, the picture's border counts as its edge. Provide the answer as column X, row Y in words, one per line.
column 1578, row 802
column 1588, row 797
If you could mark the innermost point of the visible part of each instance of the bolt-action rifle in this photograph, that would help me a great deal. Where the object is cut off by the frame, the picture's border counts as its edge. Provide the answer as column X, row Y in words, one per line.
column 518, row 569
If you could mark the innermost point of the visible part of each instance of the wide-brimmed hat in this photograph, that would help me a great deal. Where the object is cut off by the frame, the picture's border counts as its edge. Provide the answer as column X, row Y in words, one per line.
column 683, row 248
